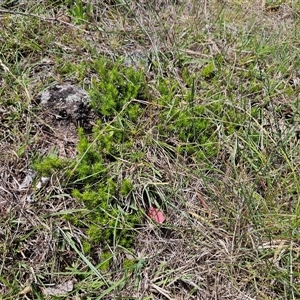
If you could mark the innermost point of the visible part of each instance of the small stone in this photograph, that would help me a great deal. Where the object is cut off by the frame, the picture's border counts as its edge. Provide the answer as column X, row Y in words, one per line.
column 62, row 109
column 66, row 102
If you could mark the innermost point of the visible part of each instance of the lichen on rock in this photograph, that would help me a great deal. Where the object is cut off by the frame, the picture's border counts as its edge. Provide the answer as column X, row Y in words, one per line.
column 66, row 102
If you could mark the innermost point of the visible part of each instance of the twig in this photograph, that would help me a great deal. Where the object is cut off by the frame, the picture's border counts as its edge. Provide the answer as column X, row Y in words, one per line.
column 162, row 291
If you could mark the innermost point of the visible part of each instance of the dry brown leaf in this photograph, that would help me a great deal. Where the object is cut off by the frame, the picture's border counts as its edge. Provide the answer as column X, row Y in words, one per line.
column 26, row 290
column 60, row 289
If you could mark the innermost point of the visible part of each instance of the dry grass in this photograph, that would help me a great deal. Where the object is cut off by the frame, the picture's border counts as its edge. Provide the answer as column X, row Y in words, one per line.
column 232, row 229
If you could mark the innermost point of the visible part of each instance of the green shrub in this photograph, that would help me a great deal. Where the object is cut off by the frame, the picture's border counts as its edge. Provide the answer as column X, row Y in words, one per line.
column 115, row 88
column 100, row 189
column 45, row 166
column 188, row 120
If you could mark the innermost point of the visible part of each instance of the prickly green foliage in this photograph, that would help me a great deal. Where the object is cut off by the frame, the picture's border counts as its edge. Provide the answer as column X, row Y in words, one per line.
column 91, row 160
column 194, row 128
column 115, row 88
column 188, row 120
column 108, row 222
column 100, row 190
column 167, row 89
column 208, row 71
column 126, row 187
column 129, row 264
column 93, row 175
column 112, row 91
column 105, row 260
column 47, row 165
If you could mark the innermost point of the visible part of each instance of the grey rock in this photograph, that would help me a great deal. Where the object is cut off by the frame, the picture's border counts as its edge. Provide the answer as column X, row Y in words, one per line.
column 66, row 102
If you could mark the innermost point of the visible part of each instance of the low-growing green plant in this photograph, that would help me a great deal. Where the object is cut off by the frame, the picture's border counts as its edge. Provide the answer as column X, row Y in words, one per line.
column 93, row 175
column 100, row 190
column 105, row 257
column 108, row 223
column 188, row 120
column 115, row 87
column 81, row 11
column 48, row 164
column 208, row 71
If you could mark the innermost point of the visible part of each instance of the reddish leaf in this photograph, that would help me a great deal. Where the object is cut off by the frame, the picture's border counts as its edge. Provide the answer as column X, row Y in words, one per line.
column 156, row 215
